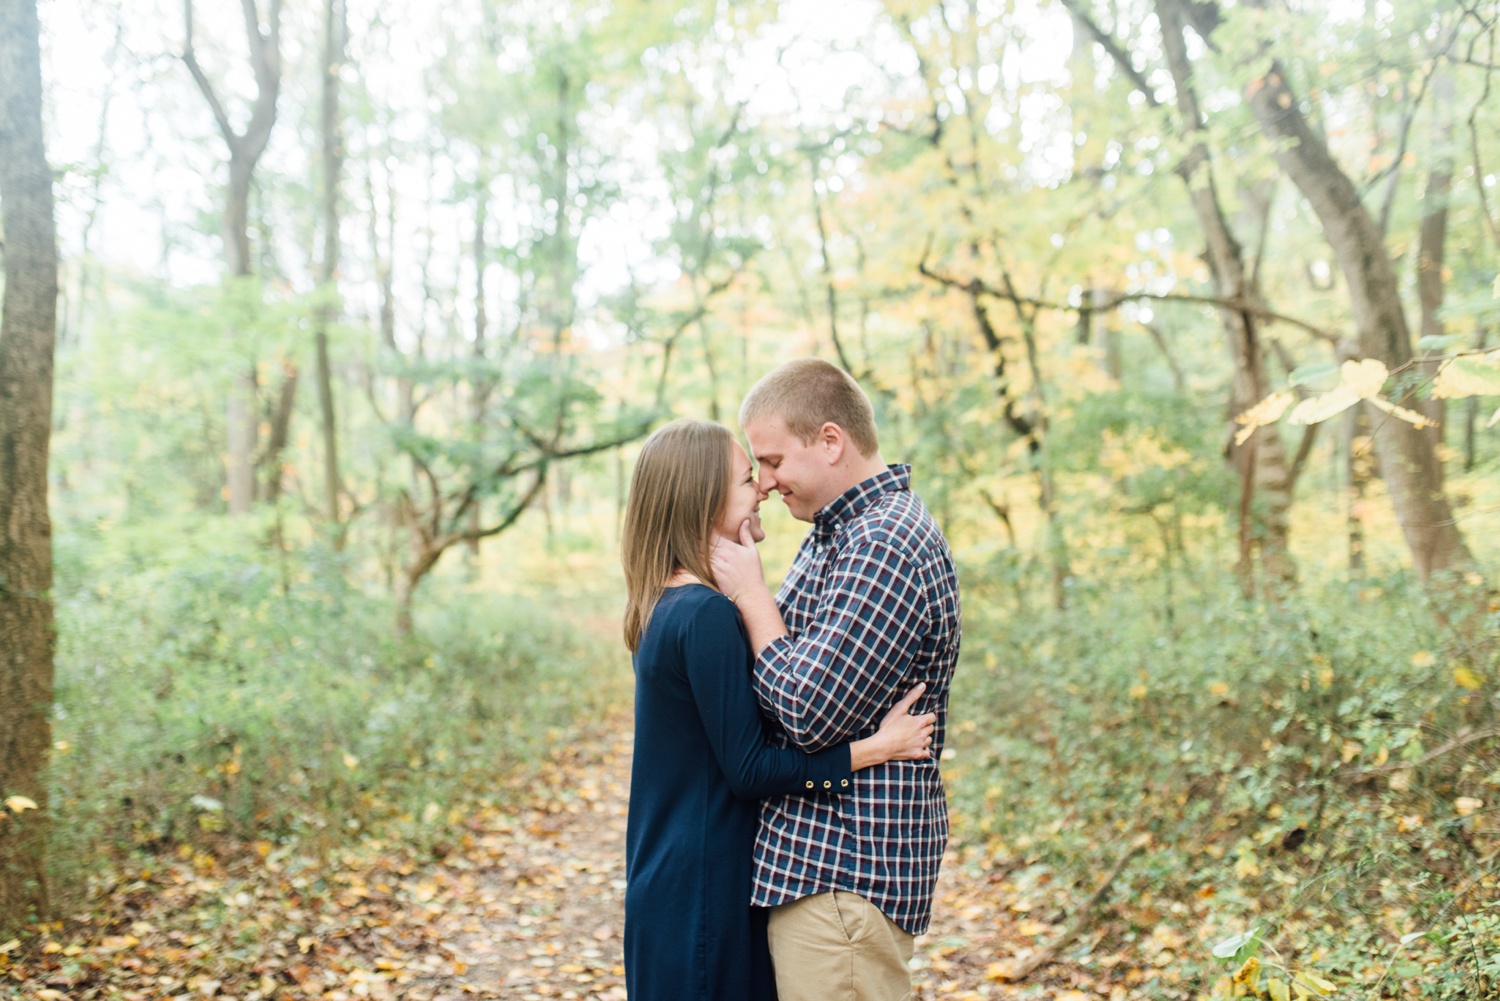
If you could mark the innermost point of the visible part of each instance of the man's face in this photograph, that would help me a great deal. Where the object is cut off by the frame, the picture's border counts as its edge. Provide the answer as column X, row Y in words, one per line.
column 801, row 474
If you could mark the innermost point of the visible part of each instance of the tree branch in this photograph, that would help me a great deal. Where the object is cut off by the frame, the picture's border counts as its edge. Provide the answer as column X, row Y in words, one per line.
column 1108, row 44
column 190, row 59
column 978, row 285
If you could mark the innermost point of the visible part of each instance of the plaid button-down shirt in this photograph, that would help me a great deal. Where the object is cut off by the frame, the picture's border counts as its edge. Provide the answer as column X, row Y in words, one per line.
column 871, row 605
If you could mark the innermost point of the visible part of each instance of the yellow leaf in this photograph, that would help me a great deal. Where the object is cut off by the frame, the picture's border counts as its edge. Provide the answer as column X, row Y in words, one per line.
column 1317, row 409
column 1267, row 411
column 1409, row 416
column 1218, row 688
column 1137, row 691
column 20, row 804
column 1364, row 377
column 1278, row 990
column 1249, row 974
column 351, row 762
column 1468, row 375
column 1314, row 983
column 1466, row 805
column 1465, row 678
column 1422, row 658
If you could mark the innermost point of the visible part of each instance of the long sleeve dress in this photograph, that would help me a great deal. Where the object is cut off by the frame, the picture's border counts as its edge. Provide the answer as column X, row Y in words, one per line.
column 701, row 764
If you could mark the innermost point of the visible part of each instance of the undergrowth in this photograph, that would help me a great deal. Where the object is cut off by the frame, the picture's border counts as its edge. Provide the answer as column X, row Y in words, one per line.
column 213, row 691
column 1320, row 776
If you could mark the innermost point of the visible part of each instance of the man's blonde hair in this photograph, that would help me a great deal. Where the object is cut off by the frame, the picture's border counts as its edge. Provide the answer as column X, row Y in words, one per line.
column 807, row 393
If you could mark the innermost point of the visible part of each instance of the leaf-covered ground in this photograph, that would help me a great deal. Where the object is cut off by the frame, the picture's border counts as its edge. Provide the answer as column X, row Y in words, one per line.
column 518, row 905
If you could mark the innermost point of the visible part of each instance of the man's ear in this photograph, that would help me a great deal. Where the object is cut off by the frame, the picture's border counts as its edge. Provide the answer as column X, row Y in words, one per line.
column 832, row 438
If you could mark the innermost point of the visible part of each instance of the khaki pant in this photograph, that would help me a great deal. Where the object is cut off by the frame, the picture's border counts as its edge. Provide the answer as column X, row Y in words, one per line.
column 838, row 947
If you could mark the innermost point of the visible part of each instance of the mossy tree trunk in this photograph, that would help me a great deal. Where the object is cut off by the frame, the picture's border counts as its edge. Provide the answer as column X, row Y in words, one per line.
column 27, row 342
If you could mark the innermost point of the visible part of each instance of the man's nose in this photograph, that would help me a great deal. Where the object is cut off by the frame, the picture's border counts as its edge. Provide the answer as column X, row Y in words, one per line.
column 762, row 487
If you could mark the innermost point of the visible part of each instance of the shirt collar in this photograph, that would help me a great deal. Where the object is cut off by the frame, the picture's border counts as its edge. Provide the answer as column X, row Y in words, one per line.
column 851, row 502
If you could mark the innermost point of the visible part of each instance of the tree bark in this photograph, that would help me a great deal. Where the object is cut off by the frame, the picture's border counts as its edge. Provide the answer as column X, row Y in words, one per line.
column 1432, row 246
column 245, row 149
column 1471, row 407
column 1261, row 461
column 280, row 433
column 479, row 384
column 28, row 330
column 335, row 28
column 1407, row 462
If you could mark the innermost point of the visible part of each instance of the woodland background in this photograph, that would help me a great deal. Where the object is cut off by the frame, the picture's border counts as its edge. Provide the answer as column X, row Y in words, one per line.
column 362, row 309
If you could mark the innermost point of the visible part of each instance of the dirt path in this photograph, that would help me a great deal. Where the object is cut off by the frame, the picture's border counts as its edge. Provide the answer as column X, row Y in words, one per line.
column 545, row 920
column 523, row 903
column 547, row 917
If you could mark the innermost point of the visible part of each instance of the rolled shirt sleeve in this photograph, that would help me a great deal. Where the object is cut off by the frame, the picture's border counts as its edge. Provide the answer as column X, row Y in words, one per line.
column 828, row 683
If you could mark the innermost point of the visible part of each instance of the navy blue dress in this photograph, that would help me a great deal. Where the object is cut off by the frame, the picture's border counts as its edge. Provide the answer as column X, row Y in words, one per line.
column 701, row 763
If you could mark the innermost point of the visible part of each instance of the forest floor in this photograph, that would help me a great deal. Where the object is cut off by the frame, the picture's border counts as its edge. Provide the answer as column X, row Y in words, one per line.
column 523, row 905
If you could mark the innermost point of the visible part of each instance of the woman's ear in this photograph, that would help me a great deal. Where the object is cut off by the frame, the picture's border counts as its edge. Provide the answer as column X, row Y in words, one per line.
column 831, row 436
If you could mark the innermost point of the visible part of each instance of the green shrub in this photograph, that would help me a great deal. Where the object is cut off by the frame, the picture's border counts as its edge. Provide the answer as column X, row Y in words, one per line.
column 1279, row 757
column 209, row 687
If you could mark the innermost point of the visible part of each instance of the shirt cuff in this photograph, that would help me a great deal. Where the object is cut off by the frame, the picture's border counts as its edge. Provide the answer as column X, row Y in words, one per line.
column 828, row 772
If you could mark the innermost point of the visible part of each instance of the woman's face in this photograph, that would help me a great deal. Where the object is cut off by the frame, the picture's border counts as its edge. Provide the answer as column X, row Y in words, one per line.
column 744, row 498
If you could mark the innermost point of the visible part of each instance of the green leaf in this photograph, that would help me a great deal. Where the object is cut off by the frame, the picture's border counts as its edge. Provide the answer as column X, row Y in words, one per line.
column 1440, row 342
column 1306, row 375
column 1231, row 946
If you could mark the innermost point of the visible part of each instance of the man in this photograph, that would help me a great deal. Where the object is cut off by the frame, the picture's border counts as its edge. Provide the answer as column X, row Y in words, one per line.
column 869, row 608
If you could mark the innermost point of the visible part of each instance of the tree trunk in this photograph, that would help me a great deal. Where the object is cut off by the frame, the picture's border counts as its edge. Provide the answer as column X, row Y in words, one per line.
column 243, row 429
column 1359, row 471
column 1261, row 461
column 280, row 433
column 28, row 328
column 245, row 149
column 334, row 32
column 1407, row 462
column 479, row 385
column 1432, row 246
column 1471, row 407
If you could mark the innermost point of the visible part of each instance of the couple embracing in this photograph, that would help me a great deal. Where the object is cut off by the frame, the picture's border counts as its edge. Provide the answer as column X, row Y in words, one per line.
column 786, row 817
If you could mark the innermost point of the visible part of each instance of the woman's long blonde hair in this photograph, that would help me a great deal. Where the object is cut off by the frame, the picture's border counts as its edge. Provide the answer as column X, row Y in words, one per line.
column 677, row 495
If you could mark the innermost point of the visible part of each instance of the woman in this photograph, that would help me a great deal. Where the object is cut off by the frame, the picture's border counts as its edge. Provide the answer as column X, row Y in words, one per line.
column 701, row 756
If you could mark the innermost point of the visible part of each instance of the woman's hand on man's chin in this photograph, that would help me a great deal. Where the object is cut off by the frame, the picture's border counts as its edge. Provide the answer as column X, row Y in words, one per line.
column 736, row 562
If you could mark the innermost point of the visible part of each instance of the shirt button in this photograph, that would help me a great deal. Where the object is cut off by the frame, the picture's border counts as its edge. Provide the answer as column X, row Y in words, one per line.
column 809, row 783
column 827, row 784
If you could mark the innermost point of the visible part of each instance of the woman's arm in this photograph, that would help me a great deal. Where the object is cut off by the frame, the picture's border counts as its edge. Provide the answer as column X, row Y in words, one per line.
column 718, row 670
column 901, row 737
